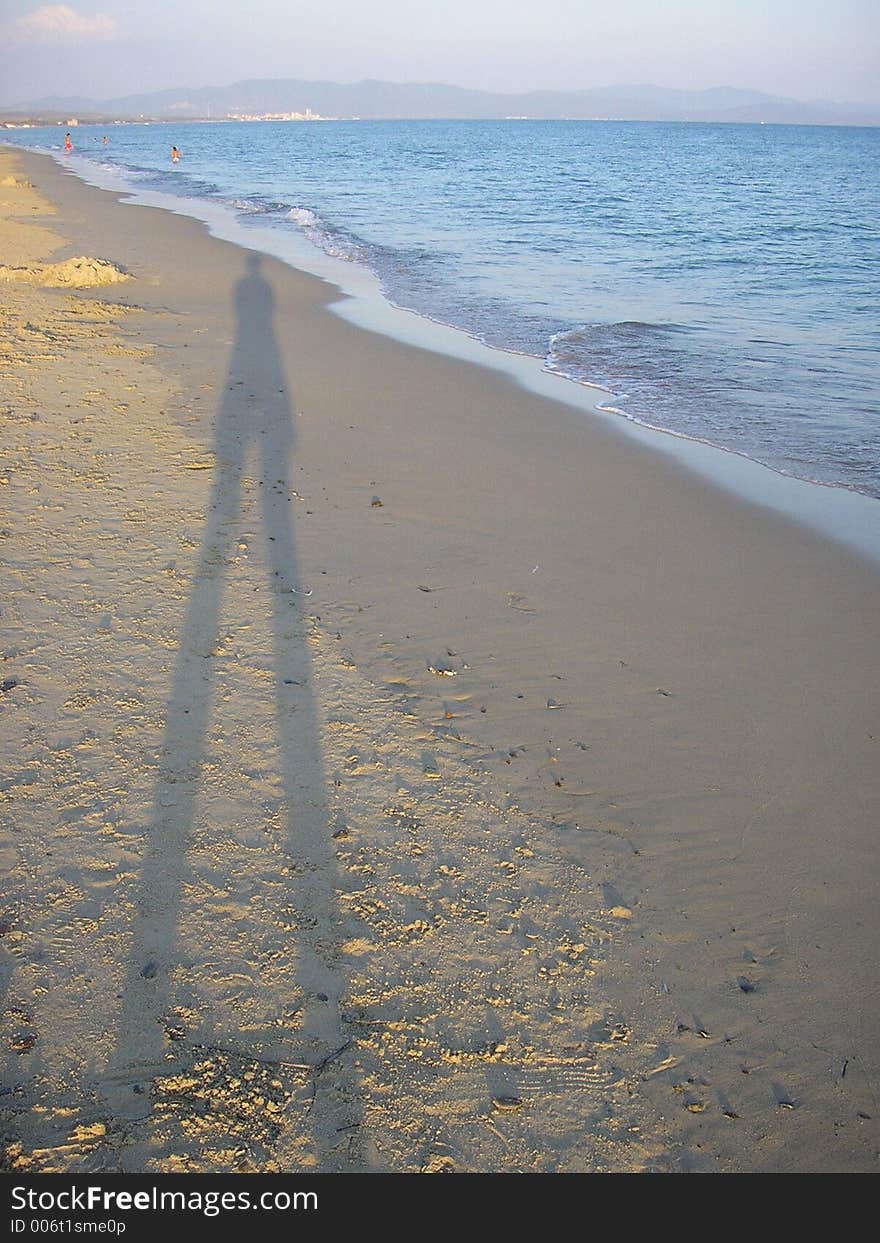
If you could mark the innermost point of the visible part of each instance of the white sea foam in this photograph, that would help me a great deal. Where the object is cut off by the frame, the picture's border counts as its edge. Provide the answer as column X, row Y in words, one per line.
column 303, row 217
column 332, row 241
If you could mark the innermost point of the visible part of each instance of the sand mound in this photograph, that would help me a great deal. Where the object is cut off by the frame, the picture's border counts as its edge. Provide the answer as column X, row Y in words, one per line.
column 20, row 183
column 79, row 273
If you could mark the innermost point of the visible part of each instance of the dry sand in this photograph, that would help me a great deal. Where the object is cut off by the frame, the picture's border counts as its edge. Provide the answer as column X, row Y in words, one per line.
column 523, row 821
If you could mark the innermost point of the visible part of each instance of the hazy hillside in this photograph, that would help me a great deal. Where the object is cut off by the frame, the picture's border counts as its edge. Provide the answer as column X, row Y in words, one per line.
column 377, row 100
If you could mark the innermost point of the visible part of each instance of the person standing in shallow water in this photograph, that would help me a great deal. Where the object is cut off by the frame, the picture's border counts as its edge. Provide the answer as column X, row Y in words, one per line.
column 68, row 145
column 175, row 155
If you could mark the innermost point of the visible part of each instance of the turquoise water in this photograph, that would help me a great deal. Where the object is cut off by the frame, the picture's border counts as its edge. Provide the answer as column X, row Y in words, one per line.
column 722, row 281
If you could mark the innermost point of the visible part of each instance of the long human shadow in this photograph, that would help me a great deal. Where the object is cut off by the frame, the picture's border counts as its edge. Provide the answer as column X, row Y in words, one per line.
column 310, row 1066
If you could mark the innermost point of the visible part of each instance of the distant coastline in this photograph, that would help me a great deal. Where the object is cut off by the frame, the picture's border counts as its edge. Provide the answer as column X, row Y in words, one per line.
column 74, row 122
column 61, row 123
column 292, row 99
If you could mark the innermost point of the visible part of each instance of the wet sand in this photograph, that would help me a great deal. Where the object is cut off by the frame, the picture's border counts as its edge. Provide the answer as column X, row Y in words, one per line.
column 402, row 771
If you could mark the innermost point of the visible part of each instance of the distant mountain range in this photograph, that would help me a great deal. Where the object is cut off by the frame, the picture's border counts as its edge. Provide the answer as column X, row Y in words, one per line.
column 372, row 100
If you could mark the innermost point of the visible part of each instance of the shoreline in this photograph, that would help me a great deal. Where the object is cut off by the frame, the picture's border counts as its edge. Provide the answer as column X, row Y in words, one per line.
column 837, row 512
column 584, row 724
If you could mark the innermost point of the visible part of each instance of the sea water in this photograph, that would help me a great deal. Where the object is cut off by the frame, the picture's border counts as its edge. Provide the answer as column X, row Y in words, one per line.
column 720, row 281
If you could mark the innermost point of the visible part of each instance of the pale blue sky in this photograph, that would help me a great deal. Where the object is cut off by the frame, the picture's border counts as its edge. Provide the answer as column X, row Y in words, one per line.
column 804, row 48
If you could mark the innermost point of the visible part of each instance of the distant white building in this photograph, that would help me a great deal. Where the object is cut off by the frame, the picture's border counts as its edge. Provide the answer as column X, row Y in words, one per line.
column 308, row 115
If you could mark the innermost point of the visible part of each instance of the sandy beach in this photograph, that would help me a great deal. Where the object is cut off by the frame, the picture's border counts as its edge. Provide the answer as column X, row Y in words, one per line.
column 402, row 771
